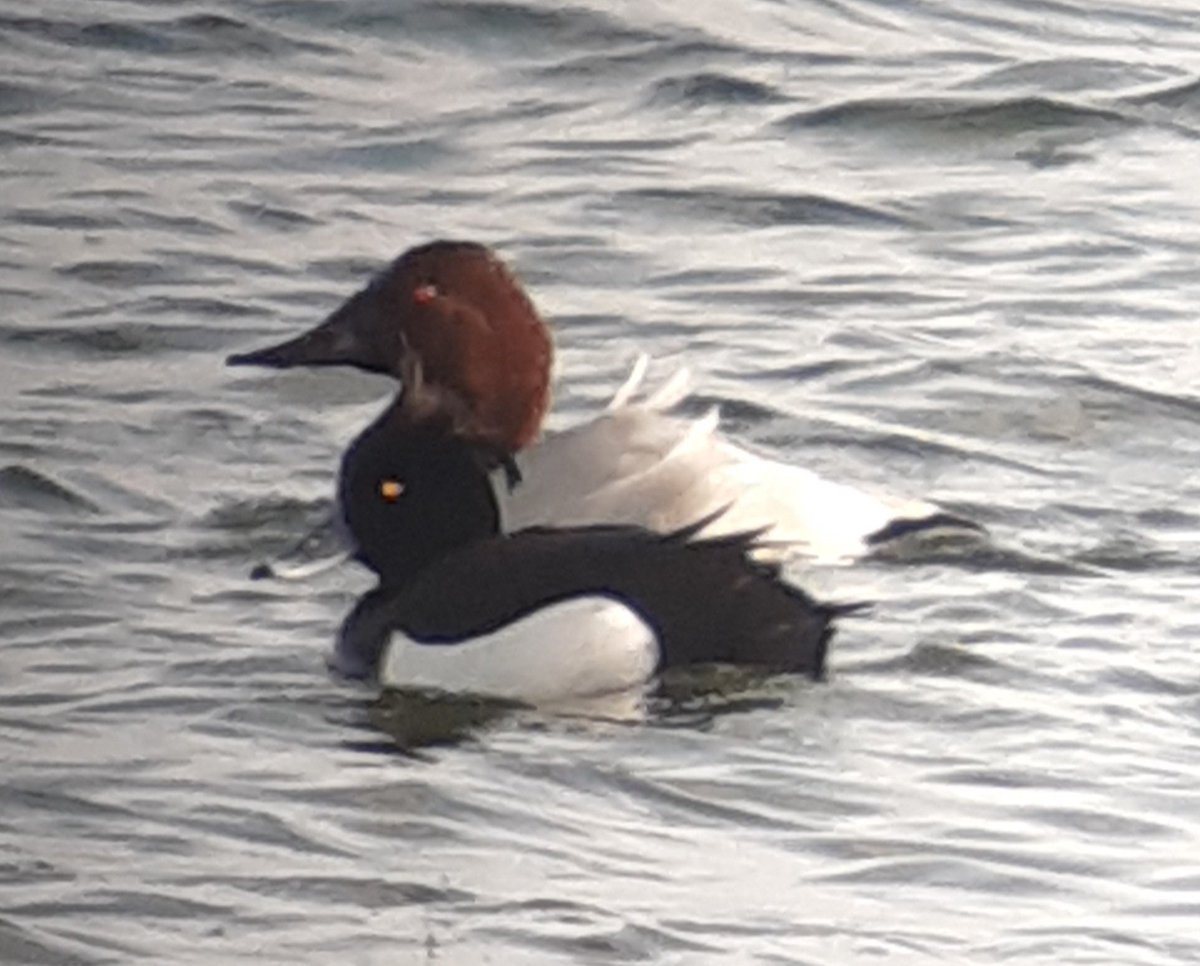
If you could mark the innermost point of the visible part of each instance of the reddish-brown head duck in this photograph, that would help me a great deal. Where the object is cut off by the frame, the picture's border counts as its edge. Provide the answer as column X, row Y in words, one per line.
column 453, row 312
column 464, row 316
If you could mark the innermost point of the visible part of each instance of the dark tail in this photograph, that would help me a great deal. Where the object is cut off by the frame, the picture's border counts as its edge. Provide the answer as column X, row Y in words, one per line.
column 904, row 526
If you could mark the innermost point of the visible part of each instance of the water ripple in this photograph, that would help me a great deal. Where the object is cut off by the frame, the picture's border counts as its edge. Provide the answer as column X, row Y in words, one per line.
column 933, row 250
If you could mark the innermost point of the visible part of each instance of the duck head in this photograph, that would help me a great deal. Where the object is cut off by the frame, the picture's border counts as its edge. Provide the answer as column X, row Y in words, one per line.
column 410, row 491
column 457, row 310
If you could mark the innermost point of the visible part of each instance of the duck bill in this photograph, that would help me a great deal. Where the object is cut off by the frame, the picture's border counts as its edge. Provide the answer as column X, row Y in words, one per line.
column 332, row 343
column 351, row 336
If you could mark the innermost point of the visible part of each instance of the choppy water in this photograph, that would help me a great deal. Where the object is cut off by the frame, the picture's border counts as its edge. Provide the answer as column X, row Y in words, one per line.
column 943, row 249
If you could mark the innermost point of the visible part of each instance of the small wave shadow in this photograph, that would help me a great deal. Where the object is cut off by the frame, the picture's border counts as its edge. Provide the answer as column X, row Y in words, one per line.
column 938, row 660
column 1000, row 117
column 26, row 488
column 977, row 552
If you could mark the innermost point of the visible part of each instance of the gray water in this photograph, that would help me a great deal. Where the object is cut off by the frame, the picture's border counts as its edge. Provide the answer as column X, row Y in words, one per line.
column 934, row 248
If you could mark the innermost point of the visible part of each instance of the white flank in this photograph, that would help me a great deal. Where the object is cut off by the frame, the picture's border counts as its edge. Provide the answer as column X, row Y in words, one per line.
column 579, row 648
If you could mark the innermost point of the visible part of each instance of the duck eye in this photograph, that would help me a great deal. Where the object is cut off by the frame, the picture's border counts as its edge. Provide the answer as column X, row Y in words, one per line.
column 424, row 294
column 390, row 490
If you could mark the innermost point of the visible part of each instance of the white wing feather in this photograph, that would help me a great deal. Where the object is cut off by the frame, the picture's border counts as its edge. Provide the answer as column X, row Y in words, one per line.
column 636, row 463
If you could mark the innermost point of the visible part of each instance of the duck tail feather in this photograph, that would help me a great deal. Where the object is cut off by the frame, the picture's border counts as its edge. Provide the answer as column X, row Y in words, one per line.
column 850, row 607
column 685, row 533
column 632, row 384
column 699, row 429
column 903, row 526
column 671, row 392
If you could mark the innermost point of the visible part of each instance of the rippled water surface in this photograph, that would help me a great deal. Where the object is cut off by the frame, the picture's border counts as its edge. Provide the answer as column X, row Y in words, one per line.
column 935, row 248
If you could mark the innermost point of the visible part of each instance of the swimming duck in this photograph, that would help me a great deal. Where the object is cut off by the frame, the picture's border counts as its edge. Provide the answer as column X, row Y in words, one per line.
column 458, row 310
column 545, row 614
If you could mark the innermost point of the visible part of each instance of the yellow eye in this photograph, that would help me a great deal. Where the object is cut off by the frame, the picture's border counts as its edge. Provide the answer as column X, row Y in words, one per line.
column 390, row 490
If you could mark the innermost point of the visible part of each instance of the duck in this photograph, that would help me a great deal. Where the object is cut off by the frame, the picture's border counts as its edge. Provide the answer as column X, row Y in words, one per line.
column 545, row 614
column 460, row 311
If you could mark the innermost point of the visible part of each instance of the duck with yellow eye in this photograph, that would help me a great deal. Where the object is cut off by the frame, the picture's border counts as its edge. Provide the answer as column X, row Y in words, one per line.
column 458, row 310
column 542, row 615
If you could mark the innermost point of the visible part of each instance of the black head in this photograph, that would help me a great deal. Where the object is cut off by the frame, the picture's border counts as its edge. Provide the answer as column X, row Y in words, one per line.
column 410, row 492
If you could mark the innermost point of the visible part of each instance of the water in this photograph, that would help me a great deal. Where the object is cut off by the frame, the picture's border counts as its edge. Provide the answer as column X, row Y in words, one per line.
column 942, row 251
